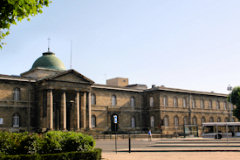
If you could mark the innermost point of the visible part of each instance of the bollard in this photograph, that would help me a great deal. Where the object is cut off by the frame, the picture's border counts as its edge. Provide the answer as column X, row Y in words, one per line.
column 129, row 143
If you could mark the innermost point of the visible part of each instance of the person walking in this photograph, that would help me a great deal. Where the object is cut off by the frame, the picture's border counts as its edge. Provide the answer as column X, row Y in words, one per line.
column 149, row 135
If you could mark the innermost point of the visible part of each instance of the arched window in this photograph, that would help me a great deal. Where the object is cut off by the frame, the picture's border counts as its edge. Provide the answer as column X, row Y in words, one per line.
column 203, row 119
column 194, row 120
column 15, row 120
column 93, row 119
column 185, row 120
column 16, row 94
column 151, row 101
column 114, row 100
column 184, row 102
column 165, row 121
column 210, row 104
column 202, row 104
column 152, row 121
column 93, row 101
column 193, row 103
column 132, row 102
column 175, row 101
column 218, row 119
column 165, row 101
column 217, row 105
column 133, row 122
column 176, row 121
column 211, row 119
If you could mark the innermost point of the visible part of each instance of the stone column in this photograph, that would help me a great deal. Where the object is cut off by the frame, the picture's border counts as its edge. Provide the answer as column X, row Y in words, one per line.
column 50, row 109
column 63, row 111
column 89, row 111
column 77, row 110
column 83, row 110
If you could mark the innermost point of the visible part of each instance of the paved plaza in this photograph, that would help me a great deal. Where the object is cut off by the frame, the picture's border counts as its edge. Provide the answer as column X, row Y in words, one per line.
column 171, row 149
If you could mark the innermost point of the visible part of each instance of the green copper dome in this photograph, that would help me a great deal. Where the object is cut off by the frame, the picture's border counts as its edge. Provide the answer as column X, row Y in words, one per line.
column 49, row 61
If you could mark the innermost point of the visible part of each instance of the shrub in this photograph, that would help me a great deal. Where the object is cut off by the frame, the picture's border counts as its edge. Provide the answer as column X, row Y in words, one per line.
column 73, row 141
column 50, row 142
column 17, row 143
column 95, row 154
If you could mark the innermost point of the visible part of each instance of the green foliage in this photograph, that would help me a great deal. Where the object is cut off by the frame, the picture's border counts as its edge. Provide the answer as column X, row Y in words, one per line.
column 234, row 98
column 12, row 11
column 50, row 142
column 17, row 143
column 94, row 154
column 73, row 141
column 236, row 112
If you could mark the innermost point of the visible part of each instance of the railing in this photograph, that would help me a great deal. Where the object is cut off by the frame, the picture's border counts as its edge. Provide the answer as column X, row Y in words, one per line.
column 126, row 136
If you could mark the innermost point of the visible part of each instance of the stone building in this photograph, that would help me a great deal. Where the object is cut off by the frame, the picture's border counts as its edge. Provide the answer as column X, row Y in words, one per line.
column 49, row 97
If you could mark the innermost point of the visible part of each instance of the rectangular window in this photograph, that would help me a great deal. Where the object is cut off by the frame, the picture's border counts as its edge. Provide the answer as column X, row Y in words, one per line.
column 202, row 104
column 184, row 102
column 1, row 120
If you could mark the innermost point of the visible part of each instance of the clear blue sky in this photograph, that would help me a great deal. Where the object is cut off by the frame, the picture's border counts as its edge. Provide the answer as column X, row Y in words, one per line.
column 186, row 44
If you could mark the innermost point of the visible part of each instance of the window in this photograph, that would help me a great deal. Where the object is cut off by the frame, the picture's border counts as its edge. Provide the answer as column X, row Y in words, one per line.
column 133, row 122
column 93, row 119
column 193, row 103
column 225, row 105
column 165, row 101
column 176, row 121
column 132, row 102
column 93, row 99
column 210, row 104
column 185, row 120
column 203, row 119
column 217, row 105
column 194, row 120
column 114, row 100
column 226, row 119
column 211, row 119
column 15, row 120
column 151, row 102
column 218, row 119
column 1, row 120
column 152, row 121
column 184, row 102
column 16, row 94
column 165, row 121
column 175, row 101
column 202, row 103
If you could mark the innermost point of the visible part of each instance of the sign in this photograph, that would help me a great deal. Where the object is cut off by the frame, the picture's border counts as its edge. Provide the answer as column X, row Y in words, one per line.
column 115, row 119
column 1, row 120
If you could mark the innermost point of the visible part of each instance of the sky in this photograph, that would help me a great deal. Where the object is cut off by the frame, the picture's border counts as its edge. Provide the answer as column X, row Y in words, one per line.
column 183, row 44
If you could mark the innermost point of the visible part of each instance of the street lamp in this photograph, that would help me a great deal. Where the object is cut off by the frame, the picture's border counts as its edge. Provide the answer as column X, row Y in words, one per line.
column 229, row 88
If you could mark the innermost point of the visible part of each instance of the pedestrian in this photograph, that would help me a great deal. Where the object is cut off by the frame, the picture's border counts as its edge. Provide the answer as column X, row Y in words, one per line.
column 149, row 135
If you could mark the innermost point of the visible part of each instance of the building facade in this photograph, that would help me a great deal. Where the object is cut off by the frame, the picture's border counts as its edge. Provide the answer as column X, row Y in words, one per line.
column 49, row 97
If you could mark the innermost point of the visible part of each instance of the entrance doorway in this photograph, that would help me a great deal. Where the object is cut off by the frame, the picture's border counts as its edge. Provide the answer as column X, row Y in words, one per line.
column 113, row 125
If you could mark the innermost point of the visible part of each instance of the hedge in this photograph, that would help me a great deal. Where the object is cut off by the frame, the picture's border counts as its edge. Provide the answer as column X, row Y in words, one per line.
column 50, row 142
column 95, row 154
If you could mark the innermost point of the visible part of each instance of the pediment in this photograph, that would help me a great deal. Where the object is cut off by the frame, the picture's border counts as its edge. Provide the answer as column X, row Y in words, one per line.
column 71, row 76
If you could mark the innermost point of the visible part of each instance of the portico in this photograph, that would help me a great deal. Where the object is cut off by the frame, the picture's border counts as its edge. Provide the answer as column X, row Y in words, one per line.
column 65, row 102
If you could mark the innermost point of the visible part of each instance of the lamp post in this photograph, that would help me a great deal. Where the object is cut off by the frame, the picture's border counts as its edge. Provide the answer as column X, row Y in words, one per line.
column 229, row 88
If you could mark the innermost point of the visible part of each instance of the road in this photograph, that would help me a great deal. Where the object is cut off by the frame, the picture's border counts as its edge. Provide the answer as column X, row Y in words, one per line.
column 171, row 149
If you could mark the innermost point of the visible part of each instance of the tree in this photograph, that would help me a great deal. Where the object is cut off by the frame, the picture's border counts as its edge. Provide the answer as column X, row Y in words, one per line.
column 234, row 98
column 12, row 11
